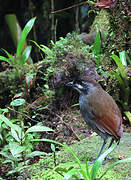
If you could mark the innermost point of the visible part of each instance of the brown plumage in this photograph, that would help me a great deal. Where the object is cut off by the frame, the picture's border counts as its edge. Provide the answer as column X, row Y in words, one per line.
column 107, row 113
column 99, row 110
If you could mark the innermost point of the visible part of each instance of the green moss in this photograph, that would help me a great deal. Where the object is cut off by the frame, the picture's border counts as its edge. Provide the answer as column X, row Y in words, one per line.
column 88, row 148
column 102, row 21
column 53, row 175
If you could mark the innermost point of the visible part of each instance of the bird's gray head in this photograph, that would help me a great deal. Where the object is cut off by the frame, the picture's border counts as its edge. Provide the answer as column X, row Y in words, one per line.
column 84, row 85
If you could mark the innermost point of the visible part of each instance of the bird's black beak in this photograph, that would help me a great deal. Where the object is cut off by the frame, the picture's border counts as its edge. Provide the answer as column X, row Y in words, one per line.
column 69, row 84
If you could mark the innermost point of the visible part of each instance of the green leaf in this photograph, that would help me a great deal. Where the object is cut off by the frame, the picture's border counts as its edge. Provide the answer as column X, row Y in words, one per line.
column 17, row 102
column 84, row 174
column 16, row 149
column 53, row 147
column 30, row 78
column 36, row 44
column 9, row 161
column 122, row 55
column 41, row 108
column 7, row 122
column 14, row 135
column 9, row 156
column 128, row 59
column 97, row 44
column 36, row 153
column 11, row 59
column 61, row 169
column 99, row 161
column 2, row 58
column 70, row 173
column 19, row 130
column 25, row 55
column 91, row 2
column 87, row 168
column 24, row 34
column 5, row 110
column 18, row 169
column 120, row 66
column 38, row 128
column 44, row 48
column 118, row 77
column 46, row 86
column 74, row 105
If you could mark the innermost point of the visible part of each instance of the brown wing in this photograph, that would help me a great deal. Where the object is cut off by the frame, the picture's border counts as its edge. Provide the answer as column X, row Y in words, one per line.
column 107, row 112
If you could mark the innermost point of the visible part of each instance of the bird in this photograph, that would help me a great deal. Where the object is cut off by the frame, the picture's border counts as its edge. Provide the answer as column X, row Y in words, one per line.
column 99, row 110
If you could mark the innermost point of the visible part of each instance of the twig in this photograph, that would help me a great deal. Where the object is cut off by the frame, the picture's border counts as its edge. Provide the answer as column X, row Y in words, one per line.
column 77, row 20
column 22, row 114
column 68, row 126
column 52, row 21
column 75, row 5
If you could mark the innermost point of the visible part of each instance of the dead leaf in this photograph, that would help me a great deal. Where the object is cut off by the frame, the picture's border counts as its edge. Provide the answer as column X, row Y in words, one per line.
column 121, row 157
column 106, row 3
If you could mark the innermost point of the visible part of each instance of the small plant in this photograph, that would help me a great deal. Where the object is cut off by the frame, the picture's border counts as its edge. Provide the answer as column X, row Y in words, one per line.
column 50, row 55
column 96, row 49
column 122, row 76
column 84, row 172
column 96, row 52
column 16, row 139
column 22, row 55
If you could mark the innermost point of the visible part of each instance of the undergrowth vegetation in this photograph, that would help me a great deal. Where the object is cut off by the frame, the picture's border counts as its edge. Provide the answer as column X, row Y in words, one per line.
column 19, row 137
column 16, row 139
column 22, row 57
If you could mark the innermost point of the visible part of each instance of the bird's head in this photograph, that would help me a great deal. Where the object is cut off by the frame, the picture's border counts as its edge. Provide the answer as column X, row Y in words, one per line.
column 84, row 85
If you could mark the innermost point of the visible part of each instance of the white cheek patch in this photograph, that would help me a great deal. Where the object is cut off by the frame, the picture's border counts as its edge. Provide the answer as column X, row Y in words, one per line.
column 79, row 86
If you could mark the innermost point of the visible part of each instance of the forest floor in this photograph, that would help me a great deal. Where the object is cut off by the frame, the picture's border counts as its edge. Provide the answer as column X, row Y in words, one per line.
column 89, row 148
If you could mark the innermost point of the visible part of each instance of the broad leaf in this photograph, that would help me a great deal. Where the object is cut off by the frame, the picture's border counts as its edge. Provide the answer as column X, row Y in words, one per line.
column 15, row 135
column 7, row 122
column 122, row 55
column 25, row 55
column 17, row 102
column 36, row 153
column 120, row 66
column 38, row 128
column 9, row 156
column 97, row 44
column 24, row 34
column 53, row 147
column 16, row 149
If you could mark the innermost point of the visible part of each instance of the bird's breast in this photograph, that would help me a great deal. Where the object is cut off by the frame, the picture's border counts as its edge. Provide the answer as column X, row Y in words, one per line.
column 85, row 108
column 84, row 103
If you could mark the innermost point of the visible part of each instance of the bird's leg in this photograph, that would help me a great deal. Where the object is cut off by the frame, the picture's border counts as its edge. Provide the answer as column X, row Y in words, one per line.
column 103, row 146
column 112, row 140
